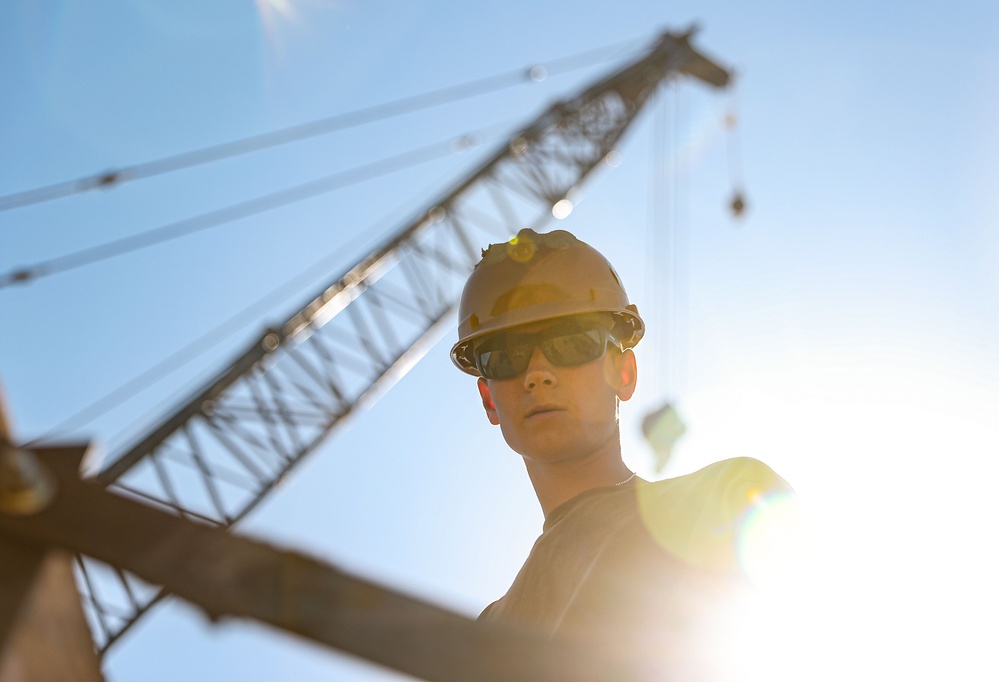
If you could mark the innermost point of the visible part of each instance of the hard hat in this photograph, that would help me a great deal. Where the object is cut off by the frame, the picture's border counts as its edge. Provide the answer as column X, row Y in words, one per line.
column 537, row 277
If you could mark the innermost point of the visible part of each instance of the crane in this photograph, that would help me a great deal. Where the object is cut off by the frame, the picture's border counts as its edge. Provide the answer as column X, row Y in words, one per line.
column 224, row 448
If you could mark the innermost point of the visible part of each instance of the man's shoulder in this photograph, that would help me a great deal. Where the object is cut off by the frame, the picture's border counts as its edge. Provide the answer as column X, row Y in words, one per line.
column 735, row 477
column 703, row 516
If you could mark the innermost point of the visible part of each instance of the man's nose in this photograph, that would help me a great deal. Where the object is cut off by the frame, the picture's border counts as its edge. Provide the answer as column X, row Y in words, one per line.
column 539, row 371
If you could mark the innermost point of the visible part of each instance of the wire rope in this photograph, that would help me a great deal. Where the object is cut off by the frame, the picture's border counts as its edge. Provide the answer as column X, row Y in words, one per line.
column 678, row 248
column 737, row 203
column 654, row 251
column 237, row 211
column 329, row 124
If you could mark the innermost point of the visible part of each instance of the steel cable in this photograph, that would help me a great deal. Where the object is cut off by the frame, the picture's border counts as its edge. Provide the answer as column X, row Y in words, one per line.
column 246, row 145
column 233, row 212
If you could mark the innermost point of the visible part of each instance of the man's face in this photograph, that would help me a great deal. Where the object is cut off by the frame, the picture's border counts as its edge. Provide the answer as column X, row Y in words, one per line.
column 556, row 413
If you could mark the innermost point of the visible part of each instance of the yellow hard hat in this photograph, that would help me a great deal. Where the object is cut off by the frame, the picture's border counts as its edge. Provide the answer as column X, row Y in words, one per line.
column 537, row 277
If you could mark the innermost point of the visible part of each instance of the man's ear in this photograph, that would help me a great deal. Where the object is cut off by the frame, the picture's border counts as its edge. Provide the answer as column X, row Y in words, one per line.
column 625, row 374
column 487, row 402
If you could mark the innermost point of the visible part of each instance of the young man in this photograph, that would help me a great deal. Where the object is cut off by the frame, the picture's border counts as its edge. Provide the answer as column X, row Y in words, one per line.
column 640, row 569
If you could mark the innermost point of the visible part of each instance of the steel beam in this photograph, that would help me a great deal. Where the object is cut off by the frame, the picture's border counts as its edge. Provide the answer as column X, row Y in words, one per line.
column 231, row 576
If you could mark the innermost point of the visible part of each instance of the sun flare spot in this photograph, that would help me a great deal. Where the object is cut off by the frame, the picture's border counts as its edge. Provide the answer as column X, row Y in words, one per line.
column 770, row 536
column 274, row 13
column 283, row 8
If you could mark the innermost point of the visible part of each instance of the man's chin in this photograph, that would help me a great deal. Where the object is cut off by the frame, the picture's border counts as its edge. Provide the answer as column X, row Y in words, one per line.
column 550, row 451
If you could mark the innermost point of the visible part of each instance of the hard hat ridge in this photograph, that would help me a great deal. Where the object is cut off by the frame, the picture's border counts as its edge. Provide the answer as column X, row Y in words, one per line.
column 539, row 276
column 524, row 246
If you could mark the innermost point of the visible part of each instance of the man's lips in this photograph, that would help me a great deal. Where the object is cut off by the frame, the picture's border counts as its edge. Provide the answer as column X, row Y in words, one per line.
column 542, row 409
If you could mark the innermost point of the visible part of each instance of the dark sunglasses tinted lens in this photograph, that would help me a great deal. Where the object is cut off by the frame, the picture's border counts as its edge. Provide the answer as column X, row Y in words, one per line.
column 507, row 356
column 504, row 361
column 576, row 348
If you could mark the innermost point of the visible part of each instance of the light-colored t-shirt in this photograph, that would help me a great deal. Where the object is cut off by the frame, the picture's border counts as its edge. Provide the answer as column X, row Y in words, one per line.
column 646, row 569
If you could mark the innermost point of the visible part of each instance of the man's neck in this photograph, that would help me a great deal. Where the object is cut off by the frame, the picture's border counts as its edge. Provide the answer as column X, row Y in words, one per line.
column 558, row 482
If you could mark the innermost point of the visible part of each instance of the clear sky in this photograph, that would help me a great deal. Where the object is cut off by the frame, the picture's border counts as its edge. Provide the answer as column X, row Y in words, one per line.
column 845, row 332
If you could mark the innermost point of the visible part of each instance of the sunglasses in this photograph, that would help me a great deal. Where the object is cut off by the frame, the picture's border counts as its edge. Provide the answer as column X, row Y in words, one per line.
column 504, row 356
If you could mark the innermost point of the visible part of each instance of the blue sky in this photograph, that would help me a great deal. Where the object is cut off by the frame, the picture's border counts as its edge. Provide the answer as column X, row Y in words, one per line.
column 845, row 331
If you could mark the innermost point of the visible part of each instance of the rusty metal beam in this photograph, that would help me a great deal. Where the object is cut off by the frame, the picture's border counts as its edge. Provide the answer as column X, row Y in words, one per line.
column 228, row 575
column 48, row 639
column 43, row 633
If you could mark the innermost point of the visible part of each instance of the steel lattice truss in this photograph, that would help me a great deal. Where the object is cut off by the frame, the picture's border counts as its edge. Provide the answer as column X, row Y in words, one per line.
column 225, row 448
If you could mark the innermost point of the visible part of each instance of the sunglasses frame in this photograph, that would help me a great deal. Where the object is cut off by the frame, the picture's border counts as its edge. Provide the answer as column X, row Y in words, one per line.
column 541, row 339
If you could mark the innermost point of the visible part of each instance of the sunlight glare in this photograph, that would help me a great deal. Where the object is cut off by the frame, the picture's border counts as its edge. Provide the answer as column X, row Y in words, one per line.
column 562, row 209
column 272, row 14
column 281, row 8
column 893, row 462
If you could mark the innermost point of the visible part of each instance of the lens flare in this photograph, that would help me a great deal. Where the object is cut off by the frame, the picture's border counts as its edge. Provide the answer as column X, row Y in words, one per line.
column 562, row 209
column 770, row 537
column 734, row 515
column 521, row 248
column 270, row 8
column 274, row 14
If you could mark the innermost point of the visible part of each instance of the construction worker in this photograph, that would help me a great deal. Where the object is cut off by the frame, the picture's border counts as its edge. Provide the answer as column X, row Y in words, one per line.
column 637, row 568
